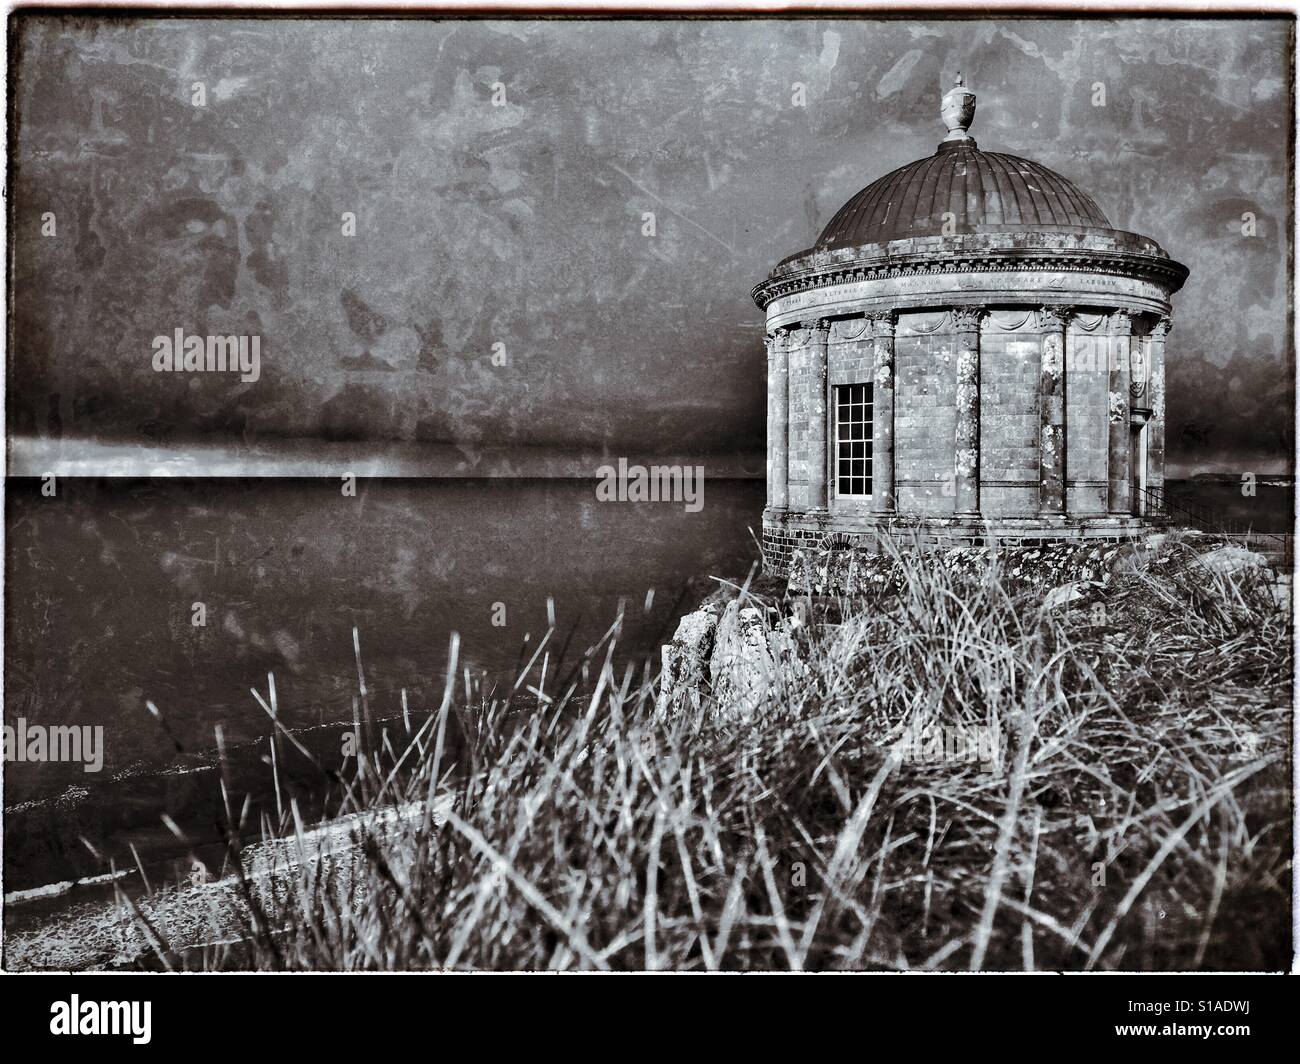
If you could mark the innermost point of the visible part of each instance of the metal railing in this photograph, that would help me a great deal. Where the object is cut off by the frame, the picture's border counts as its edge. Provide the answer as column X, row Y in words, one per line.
column 1277, row 546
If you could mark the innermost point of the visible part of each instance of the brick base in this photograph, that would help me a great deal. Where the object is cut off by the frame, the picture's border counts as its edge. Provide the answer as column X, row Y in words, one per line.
column 785, row 531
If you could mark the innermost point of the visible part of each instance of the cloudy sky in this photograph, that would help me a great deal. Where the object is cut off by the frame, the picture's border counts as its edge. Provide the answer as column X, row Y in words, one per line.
column 201, row 174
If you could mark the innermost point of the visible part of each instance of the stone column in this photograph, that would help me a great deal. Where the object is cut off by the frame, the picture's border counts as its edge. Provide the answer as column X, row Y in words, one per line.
column 778, row 421
column 769, row 343
column 1156, row 390
column 818, row 337
column 1051, row 411
column 1118, row 474
column 882, row 428
column 966, row 468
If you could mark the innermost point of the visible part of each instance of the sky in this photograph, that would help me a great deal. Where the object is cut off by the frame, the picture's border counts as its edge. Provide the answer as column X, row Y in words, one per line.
column 501, row 286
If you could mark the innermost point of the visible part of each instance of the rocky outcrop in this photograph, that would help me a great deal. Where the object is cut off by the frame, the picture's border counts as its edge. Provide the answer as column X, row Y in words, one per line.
column 728, row 657
column 751, row 660
column 733, row 657
column 1228, row 560
column 684, row 675
column 1073, row 593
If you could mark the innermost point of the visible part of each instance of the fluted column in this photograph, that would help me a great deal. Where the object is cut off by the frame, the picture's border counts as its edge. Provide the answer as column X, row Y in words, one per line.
column 778, row 421
column 966, row 465
column 1156, row 426
column 818, row 337
column 1119, row 448
column 882, row 426
column 1051, row 411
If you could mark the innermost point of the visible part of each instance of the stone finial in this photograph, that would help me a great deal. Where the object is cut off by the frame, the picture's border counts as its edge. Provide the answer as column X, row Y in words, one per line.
column 958, row 112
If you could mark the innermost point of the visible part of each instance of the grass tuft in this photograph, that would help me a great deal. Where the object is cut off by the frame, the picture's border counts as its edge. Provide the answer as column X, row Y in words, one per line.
column 1137, row 815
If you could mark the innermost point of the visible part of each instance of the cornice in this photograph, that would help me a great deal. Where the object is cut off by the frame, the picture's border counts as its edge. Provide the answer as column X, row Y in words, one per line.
column 790, row 278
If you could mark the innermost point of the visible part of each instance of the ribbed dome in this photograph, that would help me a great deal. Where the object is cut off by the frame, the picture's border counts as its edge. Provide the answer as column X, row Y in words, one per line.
column 981, row 189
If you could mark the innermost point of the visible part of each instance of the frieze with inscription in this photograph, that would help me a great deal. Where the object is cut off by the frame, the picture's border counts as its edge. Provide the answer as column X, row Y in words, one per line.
column 984, row 287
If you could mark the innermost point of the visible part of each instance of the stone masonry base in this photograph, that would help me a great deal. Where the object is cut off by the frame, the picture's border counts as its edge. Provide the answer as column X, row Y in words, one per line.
column 785, row 531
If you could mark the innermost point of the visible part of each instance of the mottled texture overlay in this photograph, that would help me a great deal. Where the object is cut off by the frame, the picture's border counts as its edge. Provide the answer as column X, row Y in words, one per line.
column 441, row 231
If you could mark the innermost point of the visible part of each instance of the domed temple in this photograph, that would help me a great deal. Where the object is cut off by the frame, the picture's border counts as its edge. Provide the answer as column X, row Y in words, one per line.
column 969, row 350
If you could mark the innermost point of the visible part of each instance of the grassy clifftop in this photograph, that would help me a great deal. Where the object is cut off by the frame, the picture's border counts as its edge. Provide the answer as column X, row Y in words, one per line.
column 950, row 776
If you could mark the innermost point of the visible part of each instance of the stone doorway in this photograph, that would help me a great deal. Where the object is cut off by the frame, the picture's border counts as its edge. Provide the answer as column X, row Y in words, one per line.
column 1138, row 470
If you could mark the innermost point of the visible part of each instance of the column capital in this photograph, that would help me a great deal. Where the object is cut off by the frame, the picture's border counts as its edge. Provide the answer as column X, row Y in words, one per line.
column 1054, row 318
column 790, row 337
column 883, row 324
column 968, row 319
column 1163, row 326
column 1120, row 322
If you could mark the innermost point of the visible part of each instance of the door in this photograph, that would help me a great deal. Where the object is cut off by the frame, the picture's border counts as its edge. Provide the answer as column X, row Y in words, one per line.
column 1138, row 470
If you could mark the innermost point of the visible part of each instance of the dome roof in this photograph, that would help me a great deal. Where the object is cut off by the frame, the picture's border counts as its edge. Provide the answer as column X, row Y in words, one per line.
column 986, row 216
column 980, row 189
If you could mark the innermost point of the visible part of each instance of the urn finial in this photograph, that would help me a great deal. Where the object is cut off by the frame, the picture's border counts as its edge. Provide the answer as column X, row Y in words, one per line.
column 958, row 112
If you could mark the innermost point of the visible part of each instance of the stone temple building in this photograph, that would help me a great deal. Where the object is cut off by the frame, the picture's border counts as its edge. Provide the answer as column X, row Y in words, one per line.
column 969, row 350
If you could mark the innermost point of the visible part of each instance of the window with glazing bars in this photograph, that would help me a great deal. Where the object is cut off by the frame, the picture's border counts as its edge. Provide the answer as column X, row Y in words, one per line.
column 853, row 441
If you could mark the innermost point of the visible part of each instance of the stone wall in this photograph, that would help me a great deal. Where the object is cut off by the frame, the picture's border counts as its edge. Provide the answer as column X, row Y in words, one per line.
column 928, row 491
column 925, row 371
column 786, row 533
column 781, row 539
column 925, row 412
column 1010, row 354
column 850, row 356
column 1086, row 386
